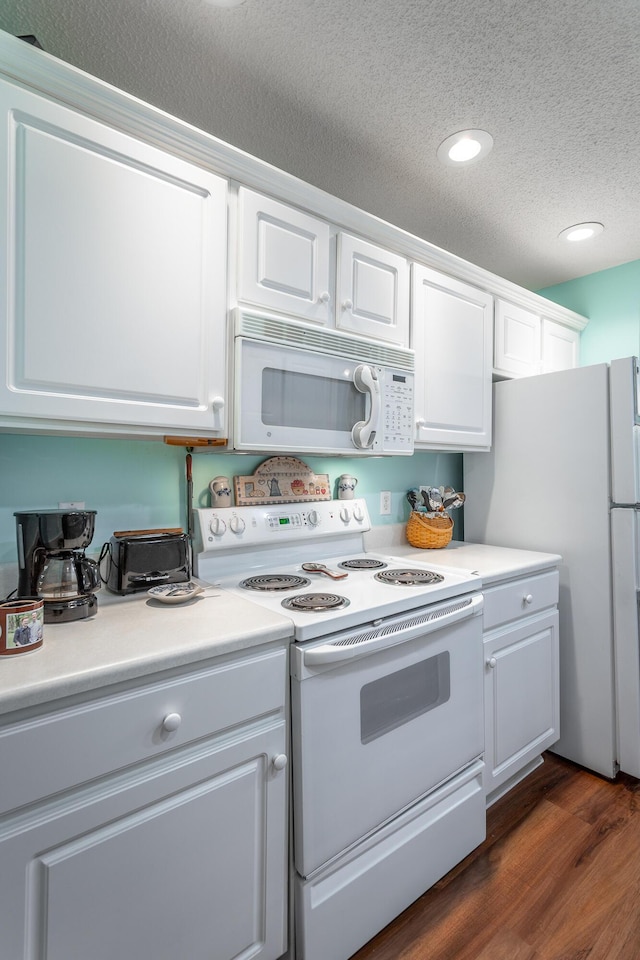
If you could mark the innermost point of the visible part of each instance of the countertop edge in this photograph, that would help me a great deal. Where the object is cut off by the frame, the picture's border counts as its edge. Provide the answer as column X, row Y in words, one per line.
column 130, row 640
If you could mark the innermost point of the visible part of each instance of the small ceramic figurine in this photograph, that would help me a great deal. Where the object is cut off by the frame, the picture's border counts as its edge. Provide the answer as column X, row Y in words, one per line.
column 220, row 489
column 346, row 486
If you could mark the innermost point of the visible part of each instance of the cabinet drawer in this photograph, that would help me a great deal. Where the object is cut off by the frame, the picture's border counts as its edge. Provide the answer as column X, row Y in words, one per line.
column 54, row 751
column 519, row 598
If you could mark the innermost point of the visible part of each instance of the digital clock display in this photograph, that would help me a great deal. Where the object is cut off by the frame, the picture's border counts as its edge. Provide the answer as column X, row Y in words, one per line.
column 283, row 520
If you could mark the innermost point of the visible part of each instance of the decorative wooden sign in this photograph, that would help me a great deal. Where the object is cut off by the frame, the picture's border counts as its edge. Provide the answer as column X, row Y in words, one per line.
column 281, row 480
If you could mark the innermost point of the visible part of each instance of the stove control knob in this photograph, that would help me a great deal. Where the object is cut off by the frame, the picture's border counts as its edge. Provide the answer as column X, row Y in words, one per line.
column 236, row 525
column 313, row 517
column 217, row 526
column 345, row 515
column 357, row 513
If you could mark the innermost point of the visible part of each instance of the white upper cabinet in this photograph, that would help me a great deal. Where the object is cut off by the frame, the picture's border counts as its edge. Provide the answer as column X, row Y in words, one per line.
column 518, row 341
column 114, row 269
column 560, row 346
column 527, row 343
column 372, row 291
column 287, row 263
column 452, row 335
column 283, row 258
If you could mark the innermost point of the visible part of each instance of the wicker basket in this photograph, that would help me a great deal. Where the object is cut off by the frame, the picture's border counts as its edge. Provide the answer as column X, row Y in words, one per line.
column 429, row 532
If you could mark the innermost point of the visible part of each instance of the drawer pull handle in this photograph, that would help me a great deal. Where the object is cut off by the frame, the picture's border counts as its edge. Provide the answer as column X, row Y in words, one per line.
column 528, row 598
column 171, row 722
column 492, row 662
column 280, row 761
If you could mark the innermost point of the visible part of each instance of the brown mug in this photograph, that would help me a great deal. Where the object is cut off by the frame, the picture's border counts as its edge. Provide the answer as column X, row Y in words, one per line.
column 21, row 626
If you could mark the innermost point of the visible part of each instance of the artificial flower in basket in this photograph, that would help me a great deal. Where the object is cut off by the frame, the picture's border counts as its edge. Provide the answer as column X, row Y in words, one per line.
column 430, row 524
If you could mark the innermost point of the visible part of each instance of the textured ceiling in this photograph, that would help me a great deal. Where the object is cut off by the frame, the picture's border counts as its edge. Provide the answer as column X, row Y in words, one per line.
column 355, row 96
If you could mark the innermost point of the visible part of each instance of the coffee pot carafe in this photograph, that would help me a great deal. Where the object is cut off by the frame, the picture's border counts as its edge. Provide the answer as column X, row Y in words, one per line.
column 52, row 564
column 67, row 575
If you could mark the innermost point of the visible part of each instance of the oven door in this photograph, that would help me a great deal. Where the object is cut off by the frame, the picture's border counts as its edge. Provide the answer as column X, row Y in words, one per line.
column 380, row 718
column 289, row 399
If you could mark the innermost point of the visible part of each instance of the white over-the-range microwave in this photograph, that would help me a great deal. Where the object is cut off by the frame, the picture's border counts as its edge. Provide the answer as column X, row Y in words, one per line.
column 298, row 387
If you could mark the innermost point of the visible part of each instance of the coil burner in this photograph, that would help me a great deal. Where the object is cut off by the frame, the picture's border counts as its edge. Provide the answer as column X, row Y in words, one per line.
column 275, row 581
column 315, row 602
column 362, row 563
column 411, row 578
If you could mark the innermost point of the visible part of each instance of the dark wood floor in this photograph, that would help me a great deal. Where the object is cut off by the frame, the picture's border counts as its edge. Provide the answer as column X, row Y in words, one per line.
column 558, row 878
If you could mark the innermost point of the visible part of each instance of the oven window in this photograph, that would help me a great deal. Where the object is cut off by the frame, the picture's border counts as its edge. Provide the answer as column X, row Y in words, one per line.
column 399, row 697
column 294, row 399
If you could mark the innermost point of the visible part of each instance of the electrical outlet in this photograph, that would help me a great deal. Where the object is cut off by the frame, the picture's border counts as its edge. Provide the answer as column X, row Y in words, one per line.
column 71, row 505
column 385, row 503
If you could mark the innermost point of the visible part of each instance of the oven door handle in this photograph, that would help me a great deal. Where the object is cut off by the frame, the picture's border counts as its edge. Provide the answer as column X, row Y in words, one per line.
column 388, row 634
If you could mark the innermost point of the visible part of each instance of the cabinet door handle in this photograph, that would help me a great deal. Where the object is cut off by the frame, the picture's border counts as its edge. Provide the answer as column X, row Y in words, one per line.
column 171, row 722
column 279, row 762
column 324, row 297
column 492, row 662
column 347, row 304
column 528, row 598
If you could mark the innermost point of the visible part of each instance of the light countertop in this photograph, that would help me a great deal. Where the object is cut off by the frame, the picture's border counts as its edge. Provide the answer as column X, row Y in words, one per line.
column 133, row 637
column 492, row 563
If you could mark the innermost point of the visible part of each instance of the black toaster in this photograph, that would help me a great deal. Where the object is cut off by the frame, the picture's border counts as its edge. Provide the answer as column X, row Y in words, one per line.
column 138, row 560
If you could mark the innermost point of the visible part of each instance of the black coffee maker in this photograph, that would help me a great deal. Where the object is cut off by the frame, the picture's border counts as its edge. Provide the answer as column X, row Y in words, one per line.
column 52, row 564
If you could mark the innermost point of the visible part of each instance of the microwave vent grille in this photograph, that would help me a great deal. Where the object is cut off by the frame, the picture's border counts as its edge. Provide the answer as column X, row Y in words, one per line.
column 319, row 340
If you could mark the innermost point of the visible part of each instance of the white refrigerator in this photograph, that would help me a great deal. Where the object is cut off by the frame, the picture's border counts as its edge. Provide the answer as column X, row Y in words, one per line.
column 563, row 476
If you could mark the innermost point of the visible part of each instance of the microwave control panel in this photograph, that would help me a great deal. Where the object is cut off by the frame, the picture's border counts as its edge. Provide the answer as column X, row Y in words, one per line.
column 397, row 411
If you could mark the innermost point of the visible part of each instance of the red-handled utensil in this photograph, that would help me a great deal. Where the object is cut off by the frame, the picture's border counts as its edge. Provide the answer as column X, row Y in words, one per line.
column 320, row 568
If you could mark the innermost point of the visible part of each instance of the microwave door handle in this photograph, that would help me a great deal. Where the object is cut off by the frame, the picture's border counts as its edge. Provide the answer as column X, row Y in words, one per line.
column 366, row 380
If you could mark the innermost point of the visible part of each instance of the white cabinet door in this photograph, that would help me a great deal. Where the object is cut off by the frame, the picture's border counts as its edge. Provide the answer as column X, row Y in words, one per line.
column 283, row 258
column 452, row 335
column 182, row 858
column 372, row 291
column 521, row 695
column 114, row 273
column 560, row 346
column 517, row 341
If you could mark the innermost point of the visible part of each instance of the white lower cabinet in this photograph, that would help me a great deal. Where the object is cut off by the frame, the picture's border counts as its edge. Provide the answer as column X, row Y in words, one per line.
column 521, row 657
column 182, row 854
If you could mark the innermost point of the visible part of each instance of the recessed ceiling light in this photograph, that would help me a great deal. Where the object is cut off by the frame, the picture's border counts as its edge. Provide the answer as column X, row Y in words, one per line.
column 464, row 147
column 581, row 231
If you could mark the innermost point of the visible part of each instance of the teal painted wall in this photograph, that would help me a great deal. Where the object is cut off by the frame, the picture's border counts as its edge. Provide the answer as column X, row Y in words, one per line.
column 611, row 301
column 135, row 484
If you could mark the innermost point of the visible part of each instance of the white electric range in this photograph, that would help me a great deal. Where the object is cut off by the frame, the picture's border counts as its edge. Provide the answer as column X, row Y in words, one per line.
column 386, row 709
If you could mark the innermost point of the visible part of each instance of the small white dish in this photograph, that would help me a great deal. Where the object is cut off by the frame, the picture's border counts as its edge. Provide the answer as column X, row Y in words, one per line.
column 175, row 592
